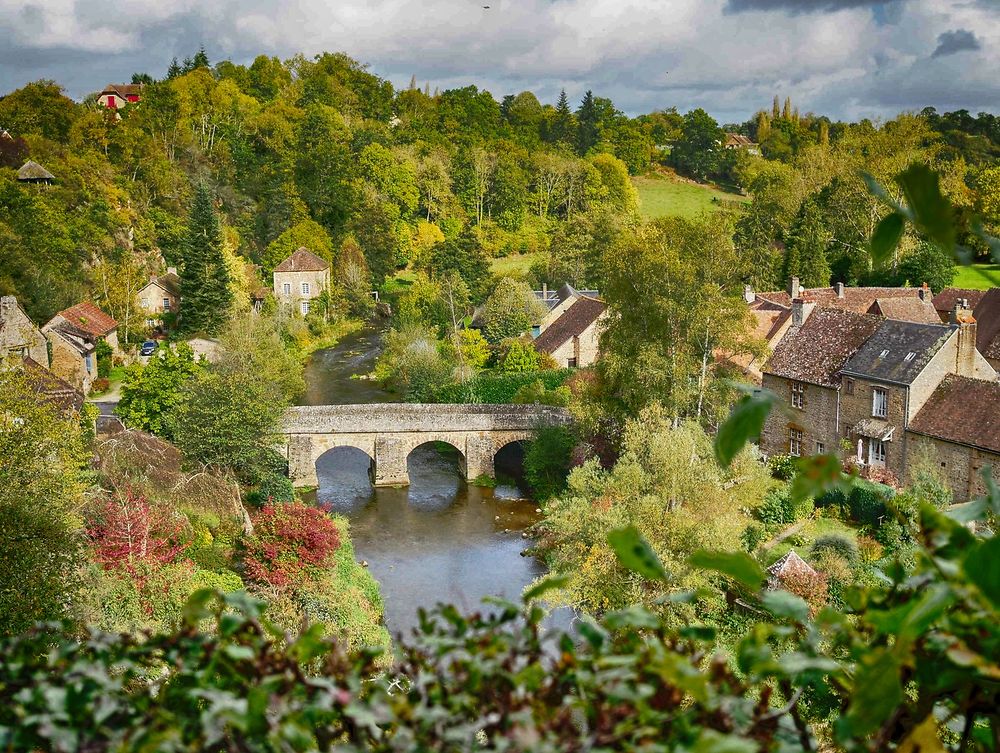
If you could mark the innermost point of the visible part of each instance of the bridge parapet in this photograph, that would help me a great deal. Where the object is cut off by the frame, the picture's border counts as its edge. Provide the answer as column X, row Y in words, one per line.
column 388, row 432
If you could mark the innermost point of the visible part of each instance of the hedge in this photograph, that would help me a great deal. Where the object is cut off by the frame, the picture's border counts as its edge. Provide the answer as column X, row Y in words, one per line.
column 498, row 388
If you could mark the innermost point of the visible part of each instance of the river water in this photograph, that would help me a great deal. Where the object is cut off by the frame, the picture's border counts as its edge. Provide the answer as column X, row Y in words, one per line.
column 437, row 540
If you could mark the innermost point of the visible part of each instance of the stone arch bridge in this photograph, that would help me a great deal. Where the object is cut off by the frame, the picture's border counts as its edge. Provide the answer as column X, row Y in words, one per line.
column 388, row 432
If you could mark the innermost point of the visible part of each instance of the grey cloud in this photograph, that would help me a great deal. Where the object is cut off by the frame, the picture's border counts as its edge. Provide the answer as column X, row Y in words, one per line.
column 959, row 40
column 801, row 6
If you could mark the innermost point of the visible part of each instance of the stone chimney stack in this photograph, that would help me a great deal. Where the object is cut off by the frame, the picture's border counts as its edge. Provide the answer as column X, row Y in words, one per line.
column 801, row 311
column 925, row 292
column 965, row 355
column 171, row 270
column 793, row 287
column 7, row 303
column 748, row 294
column 545, row 291
column 839, row 287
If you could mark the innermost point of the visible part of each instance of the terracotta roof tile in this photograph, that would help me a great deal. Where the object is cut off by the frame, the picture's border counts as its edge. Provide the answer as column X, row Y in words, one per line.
column 570, row 324
column 962, row 410
column 303, row 260
column 906, row 310
column 815, row 351
column 89, row 318
column 855, row 299
column 987, row 315
column 944, row 302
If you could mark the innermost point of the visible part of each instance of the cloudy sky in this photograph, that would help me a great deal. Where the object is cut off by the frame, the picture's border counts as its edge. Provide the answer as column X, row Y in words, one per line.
column 846, row 58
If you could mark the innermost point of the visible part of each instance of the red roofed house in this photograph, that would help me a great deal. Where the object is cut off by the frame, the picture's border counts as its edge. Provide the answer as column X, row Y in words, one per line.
column 573, row 339
column 73, row 334
column 300, row 278
column 114, row 96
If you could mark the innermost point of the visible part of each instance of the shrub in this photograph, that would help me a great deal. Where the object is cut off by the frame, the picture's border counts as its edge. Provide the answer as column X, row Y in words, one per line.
column 498, row 388
column 101, row 384
column 129, row 533
column 869, row 549
column 517, row 356
column 274, row 488
column 547, row 460
column 839, row 544
column 782, row 467
column 289, row 540
column 810, row 586
column 104, row 359
column 536, row 394
column 866, row 502
column 777, row 509
column 752, row 537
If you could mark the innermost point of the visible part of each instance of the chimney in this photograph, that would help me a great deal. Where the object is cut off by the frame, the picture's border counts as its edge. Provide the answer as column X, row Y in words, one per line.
column 545, row 291
column 748, row 294
column 965, row 353
column 7, row 303
column 793, row 287
column 171, row 270
column 839, row 287
column 925, row 292
column 801, row 311
column 152, row 278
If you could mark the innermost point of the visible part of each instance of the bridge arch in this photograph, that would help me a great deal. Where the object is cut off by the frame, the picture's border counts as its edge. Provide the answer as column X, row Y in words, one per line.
column 350, row 468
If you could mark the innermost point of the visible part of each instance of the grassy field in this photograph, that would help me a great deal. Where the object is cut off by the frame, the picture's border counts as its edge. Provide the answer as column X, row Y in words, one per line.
column 514, row 265
column 977, row 276
column 661, row 196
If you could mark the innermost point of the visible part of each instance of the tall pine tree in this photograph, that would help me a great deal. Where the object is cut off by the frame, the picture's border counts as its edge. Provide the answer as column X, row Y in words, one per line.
column 563, row 128
column 586, row 118
column 204, row 279
column 805, row 253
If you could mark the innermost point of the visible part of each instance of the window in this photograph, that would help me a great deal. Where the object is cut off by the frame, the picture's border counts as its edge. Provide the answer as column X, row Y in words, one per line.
column 849, row 387
column 287, row 288
column 89, row 361
column 794, row 442
column 876, row 452
column 820, row 448
column 571, row 363
column 880, row 402
column 909, row 356
column 166, row 304
column 798, row 395
column 883, row 354
column 536, row 330
column 304, row 306
column 305, row 288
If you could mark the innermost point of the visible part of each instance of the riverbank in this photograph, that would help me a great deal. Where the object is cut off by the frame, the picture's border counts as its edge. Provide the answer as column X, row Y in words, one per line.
column 337, row 331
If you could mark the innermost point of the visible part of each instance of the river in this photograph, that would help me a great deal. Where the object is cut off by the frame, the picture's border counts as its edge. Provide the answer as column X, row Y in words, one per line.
column 437, row 540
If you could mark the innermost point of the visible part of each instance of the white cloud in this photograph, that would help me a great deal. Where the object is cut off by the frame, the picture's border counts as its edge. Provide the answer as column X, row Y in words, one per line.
column 845, row 58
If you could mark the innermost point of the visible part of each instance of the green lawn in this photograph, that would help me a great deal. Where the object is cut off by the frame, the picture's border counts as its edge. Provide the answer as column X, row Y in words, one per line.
column 517, row 264
column 977, row 276
column 666, row 197
column 813, row 529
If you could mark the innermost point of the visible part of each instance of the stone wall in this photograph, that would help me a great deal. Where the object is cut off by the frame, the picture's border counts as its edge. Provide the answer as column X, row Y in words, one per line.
column 69, row 364
column 19, row 336
column 817, row 419
column 960, row 465
column 318, row 282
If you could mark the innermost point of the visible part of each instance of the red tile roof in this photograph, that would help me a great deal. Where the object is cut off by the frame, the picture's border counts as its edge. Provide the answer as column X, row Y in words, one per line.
column 944, row 302
column 855, row 299
column 962, row 410
column 51, row 388
column 303, row 260
column 815, row 351
column 88, row 317
column 572, row 323
column 987, row 315
column 906, row 310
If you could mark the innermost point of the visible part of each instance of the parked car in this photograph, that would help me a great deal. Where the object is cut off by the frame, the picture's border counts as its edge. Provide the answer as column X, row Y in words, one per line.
column 147, row 348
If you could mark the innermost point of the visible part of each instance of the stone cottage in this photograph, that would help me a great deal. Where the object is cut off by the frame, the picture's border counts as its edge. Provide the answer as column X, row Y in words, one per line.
column 573, row 338
column 300, row 278
column 557, row 302
column 88, row 318
column 19, row 336
column 161, row 295
column 74, row 357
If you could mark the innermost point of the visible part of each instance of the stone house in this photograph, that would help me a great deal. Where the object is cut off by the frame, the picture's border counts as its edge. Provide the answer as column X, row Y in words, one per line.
column 19, row 336
column 907, row 309
column 573, row 339
column 161, row 295
column 804, row 372
column 300, row 278
column 986, row 312
column 557, row 302
column 959, row 426
column 74, row 357
column 89, row 319
column 50, row 388
column 114, row 96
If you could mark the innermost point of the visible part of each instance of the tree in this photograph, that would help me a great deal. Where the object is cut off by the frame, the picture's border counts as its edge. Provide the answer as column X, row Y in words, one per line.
column 805, row 256
column 151, row 393
column 306, row 233
column 563, row 130
column 617, row 188
column 464, row 255
column 39, row 108
column 510, row 310
column 927, row 263
column 204, row 277
column 588, row 123
column 118, row 289
column 41, row 457
column 518, row 355
column 698, row 150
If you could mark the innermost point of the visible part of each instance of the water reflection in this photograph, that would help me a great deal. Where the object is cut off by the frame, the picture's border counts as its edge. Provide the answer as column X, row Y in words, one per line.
column 438, row 540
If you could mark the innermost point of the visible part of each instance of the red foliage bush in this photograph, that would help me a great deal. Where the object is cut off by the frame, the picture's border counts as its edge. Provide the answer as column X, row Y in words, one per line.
column 101, row 384
column 288, row 539
column 810, row 586
column 129, row 533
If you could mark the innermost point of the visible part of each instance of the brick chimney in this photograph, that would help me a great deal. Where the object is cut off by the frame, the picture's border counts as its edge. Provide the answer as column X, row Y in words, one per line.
column 925, row 292
column 801, row 311
column 748, row 294
column 839, row 287
column 793, row 287
column 965, row 354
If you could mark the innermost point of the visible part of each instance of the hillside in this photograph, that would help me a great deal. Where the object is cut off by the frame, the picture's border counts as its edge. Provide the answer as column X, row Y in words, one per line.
column 668, row 196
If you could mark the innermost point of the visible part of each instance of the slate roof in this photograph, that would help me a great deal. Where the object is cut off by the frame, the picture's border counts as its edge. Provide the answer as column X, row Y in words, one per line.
column 303, row 260
column 987, row 316
column 571, row 324
column 962, row 410
column 89, row 318
column 815, row 351
column 553, row 298
column 51, row 388
column 170, row 282
column 80, row 340
column 31, row 171
column 886, row 355
column 944, row 302
column 906, row 310
column 855, row 299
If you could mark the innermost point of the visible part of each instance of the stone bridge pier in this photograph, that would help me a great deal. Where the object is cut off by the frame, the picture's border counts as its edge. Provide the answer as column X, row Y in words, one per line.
column 389, row 432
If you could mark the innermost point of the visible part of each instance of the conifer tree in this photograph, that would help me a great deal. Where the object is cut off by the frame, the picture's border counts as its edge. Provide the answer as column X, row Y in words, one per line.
column 200, row 59
column 786, row 111
column 586, row 118
column 427, row 89
column 562, row 128
column 205, row 278
column 413, row 82
column 174, row 69
column 805, row 254
column 775, row 109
